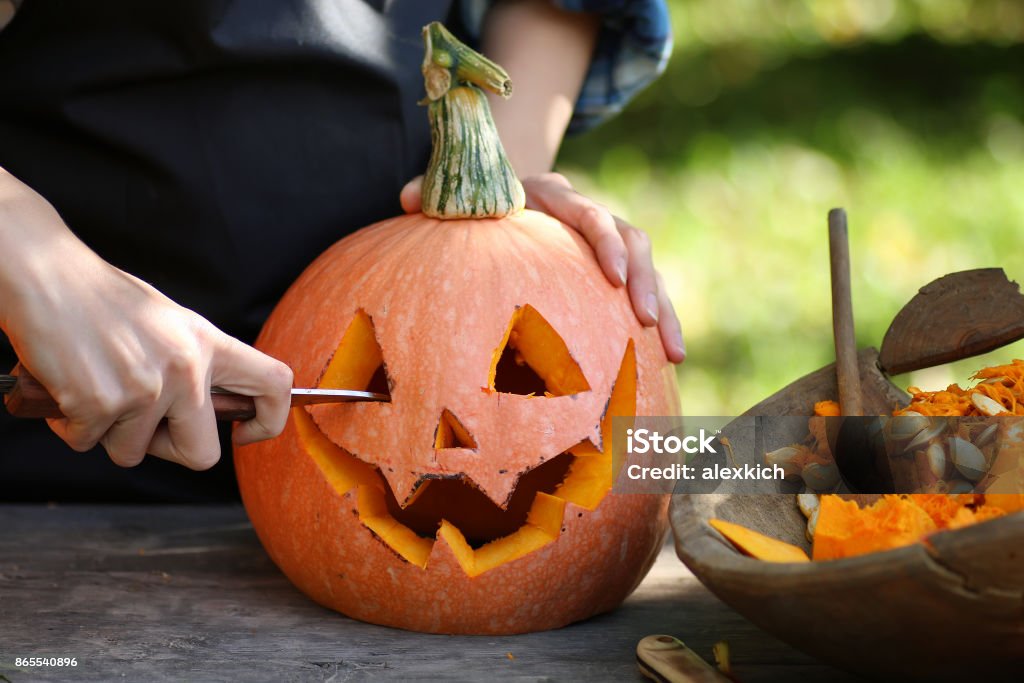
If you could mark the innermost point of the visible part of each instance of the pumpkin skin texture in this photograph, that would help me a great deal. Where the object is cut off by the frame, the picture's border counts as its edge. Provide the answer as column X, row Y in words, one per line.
column 442, row 299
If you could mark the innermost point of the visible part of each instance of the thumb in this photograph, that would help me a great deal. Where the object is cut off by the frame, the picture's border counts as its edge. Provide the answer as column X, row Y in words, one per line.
column 242, row 369
column 412, row 195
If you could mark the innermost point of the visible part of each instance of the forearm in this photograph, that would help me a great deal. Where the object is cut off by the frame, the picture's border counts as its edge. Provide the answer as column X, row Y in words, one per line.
column 32, row 238
column 546, row 52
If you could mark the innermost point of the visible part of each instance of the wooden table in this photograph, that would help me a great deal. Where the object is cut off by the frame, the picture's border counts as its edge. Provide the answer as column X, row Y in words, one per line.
column 171, row 593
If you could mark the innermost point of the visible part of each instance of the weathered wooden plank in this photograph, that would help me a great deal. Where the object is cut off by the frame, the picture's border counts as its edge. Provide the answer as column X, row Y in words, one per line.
column 169, row 593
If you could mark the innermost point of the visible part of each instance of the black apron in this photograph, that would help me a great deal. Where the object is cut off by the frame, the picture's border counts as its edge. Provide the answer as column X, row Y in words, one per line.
column 212, row 148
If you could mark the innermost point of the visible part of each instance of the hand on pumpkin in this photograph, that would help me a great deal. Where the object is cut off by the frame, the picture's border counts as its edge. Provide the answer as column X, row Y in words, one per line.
column 119, row 356
column 623, row 251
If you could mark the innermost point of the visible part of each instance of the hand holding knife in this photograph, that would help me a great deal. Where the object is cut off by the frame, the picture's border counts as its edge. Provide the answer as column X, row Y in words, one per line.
column 24, row 396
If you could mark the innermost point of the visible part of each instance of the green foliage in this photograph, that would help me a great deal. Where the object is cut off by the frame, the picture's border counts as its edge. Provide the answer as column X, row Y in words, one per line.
column 910, row 114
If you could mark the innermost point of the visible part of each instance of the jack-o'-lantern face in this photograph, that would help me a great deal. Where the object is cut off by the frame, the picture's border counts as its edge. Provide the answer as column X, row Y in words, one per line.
column 448, row 490
column 485, row 481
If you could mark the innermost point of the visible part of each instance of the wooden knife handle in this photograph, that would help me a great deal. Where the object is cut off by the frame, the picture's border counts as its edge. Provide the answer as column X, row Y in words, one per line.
column 29, row 398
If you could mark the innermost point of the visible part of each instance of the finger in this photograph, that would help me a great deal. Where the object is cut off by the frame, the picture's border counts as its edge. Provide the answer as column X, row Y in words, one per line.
column 189, row 436
column 537, row 183
column 668, row 325
column 411, row 197
column 128, row 439
column 79, row 434
column 90, row 414
column 642, row 283
column 85, row 421
column 242, row 369
column 590, row 219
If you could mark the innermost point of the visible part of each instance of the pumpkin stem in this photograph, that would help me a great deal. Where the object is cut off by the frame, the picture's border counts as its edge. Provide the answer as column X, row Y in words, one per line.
column 469, row 175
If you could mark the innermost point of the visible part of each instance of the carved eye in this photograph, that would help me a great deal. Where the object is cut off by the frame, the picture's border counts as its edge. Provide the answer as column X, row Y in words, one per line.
column 533, row 359
column 358, row 362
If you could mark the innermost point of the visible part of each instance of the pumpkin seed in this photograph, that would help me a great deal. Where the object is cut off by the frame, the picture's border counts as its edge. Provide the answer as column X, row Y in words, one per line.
column 986, row 436
column 906, row 426
column 936, row 456
column 820, row 476
column 807, row 502
column 812, row 524
column 987, row 405
column 789, row 458
column 967, row 458
column 935, row 429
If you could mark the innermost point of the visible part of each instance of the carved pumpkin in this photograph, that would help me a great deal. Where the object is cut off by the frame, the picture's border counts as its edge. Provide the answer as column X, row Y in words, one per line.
column 478, row 499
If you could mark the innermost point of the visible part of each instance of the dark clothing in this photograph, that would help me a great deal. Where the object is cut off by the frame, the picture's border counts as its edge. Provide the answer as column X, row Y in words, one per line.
column 212, row 148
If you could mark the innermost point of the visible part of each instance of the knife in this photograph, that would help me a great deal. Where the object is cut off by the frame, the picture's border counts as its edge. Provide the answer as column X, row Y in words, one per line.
column 24, row 396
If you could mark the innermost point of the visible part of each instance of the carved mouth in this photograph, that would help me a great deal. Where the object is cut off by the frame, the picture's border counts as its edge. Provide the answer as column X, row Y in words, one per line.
column 481, row 534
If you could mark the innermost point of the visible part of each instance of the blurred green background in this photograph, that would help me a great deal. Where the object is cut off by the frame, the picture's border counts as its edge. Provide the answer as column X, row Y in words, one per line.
column 908, row 113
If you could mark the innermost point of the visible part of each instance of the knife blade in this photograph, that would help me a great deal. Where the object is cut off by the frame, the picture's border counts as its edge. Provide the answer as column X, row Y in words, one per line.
column 26, row 397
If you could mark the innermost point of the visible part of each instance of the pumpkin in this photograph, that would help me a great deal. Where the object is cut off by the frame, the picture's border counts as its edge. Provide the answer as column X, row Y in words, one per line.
column 478, row 499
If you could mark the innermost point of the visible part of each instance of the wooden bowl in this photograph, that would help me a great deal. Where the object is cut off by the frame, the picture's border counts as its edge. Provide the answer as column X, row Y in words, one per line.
column 941, row 611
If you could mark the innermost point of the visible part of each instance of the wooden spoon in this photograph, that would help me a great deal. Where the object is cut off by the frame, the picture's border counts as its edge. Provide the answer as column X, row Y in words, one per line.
column 863, row 469
column 957, row 316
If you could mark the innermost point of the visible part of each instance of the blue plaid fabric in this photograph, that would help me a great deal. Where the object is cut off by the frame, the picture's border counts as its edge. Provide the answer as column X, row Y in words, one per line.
column 633, row 46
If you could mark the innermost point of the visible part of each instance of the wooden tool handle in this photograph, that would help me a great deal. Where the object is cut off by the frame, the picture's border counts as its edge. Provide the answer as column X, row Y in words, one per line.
column 29, row 398
column 847, row 368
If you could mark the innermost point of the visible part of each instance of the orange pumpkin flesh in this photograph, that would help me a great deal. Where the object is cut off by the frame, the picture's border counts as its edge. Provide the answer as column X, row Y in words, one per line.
column 460, row 506
column 758, row 545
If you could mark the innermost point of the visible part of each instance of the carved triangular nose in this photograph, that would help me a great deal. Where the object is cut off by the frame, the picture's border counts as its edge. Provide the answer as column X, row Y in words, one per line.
column 451, row 433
